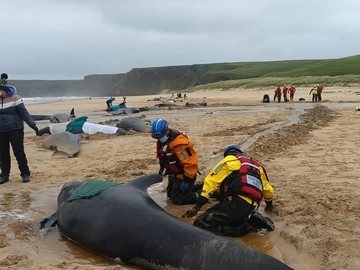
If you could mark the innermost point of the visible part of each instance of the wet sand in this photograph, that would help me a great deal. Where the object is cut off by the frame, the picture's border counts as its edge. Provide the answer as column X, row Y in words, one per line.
column 311, row 164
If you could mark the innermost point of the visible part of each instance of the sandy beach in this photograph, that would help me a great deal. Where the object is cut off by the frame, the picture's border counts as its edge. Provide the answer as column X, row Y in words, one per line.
column 312, row 162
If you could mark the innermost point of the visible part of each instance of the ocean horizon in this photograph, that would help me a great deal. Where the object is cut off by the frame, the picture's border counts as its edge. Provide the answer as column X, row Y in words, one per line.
column 32, row 100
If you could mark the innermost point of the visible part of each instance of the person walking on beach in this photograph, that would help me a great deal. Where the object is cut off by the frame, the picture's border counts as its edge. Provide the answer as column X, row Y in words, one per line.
column 109, row 101
column 179, row 160
column 314, row 93
column 12, row 116
column 240, row 183
column 292, row 90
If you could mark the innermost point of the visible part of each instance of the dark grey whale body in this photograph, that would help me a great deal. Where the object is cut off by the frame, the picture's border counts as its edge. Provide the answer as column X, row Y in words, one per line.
column 54, row 118
column 134, row 123
column 64, row 143
column 124, row 223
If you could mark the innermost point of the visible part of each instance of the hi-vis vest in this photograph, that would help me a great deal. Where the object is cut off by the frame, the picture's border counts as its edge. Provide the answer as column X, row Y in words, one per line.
column 250, row 183
column 167, row 159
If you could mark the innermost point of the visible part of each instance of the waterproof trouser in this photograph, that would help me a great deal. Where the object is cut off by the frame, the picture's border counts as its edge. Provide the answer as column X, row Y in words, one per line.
column 16, row 139
column 228, row 218
column 314, row 97
column 176, row 196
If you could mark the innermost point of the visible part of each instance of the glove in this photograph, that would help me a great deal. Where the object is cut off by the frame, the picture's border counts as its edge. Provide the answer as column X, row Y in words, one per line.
column 190, row 212
column 269, row 206
column 161, row 171
column 36, row 129
column 184, row 186
column 217, row 195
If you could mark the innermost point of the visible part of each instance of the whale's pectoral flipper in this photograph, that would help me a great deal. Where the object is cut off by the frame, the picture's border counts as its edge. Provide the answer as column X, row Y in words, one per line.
column 49, row 222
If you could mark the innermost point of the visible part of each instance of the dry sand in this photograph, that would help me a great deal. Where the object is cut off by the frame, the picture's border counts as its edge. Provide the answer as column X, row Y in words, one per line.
column 312, row 165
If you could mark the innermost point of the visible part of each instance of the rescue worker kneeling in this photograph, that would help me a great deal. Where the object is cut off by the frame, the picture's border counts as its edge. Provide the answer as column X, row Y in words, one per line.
column 178, row 159
column 239, row 183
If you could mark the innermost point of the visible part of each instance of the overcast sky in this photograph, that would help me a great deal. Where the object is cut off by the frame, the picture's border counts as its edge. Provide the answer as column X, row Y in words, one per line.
column 68, row 39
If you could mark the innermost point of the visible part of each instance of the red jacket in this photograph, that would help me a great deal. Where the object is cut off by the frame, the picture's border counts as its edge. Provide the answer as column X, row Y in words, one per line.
column 320, row 88
column 292, row 90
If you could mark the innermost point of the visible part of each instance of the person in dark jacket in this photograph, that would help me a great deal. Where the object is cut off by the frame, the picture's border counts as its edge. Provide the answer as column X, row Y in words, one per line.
column 12, row 116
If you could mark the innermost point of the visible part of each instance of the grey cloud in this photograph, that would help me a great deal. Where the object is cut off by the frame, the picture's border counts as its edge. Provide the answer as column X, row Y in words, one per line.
column 50, row 39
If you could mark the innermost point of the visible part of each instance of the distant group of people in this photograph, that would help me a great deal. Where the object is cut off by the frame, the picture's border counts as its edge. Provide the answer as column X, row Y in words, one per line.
column 13, row 114
column 316, row 92
column 284, row 92
column 179, row 95
column 238, row 182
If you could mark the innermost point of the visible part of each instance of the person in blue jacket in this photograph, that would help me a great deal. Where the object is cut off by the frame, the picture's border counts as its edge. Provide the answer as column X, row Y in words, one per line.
column 109, row 101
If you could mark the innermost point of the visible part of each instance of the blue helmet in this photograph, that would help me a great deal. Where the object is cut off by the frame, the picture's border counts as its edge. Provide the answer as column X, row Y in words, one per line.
column 159, row 128
column 232, row 150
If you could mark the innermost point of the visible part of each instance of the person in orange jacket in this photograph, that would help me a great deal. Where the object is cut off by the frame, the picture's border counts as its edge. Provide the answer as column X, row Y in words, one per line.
column 178, row 160
column 239, row 183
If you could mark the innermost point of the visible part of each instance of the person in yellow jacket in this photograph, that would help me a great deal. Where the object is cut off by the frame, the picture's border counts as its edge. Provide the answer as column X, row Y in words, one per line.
column 178, row 160
column 239, row 183
column 314, row 92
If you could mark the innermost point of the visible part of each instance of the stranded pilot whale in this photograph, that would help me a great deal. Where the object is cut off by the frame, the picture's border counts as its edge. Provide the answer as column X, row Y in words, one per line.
column 124, row 223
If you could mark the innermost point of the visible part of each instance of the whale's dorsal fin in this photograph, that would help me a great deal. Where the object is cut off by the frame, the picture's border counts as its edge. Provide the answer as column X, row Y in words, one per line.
column 72, row 113
column 143, row 182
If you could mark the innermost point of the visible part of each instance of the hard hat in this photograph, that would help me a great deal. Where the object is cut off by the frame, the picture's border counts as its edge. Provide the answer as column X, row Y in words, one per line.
column 159, row 128
column 231, row 150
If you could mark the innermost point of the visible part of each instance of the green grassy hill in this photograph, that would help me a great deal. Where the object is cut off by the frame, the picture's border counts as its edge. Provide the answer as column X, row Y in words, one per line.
column 343, row 66
column 233, row 71
column 141, row 81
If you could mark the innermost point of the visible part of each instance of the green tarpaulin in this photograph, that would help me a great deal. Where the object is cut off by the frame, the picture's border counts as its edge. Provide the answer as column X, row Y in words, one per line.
column 91, row 189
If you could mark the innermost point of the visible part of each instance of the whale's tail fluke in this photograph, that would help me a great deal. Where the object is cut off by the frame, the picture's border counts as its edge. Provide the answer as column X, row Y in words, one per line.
column 143, row 182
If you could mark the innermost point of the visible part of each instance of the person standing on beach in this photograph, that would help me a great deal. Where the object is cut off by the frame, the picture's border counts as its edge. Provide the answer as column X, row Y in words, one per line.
column 285, row 92
column 12, row 116
column 292, row 90
column 179, row 160
column 314, row 93
column 277, row 94
column 320, row 88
